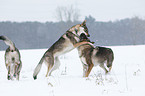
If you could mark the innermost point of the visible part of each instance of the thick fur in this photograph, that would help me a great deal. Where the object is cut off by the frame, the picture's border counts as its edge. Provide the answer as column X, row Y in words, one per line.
column 91, row 56
column 63, row 45
column 12, row 59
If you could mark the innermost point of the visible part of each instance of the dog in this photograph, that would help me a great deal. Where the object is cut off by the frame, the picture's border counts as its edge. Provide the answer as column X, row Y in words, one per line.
column 91, row 56
column 12, row 59
column 63, row 45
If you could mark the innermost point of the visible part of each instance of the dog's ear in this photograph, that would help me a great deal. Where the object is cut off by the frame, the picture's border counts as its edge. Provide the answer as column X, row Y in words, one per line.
column 2, row 38
column 84, row 23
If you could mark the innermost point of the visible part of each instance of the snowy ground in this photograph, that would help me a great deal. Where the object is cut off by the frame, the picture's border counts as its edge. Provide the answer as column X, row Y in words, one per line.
column 126, row 78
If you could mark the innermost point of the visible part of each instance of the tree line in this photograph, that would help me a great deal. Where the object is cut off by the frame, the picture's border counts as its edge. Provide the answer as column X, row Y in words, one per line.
column 36, row 35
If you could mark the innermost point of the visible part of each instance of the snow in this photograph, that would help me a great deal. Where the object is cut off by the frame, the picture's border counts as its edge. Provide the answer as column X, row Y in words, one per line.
column 126, row 78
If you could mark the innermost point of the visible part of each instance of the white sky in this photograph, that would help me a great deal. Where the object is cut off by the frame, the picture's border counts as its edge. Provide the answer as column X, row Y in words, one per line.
column 44, row 10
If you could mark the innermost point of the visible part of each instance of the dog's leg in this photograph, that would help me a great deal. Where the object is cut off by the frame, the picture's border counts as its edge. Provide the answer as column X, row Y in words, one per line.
column 110, row 68
column 55, row 65
column 103, row 67
column 50, row 67
column 18, row 76
column 90, row 66
column 15, row 69
column 8, row 68
column 18, row 71
column 47, row 70
column 49, row 60
column 109, row 63
column 19, row 66
column 85, row 67
column 110, row 59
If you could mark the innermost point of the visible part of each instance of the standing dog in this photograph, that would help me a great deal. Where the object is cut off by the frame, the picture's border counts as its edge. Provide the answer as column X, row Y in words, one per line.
column 12, row 59
column 91, row 56
column 63, row 45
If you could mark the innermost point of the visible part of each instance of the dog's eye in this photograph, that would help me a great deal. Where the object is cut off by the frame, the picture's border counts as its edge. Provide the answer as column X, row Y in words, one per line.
column 86, row 30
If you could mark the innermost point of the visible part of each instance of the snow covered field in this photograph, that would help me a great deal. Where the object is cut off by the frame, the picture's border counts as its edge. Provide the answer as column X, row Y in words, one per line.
column 127, row 77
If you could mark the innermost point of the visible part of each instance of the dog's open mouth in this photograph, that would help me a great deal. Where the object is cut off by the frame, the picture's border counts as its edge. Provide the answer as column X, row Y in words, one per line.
column 83, row 37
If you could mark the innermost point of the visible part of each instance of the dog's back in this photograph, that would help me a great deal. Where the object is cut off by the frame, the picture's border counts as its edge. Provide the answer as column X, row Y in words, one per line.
column 104, row 54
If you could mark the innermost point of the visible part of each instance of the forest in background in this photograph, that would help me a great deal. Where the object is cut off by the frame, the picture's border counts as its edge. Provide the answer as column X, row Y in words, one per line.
column 37, row 35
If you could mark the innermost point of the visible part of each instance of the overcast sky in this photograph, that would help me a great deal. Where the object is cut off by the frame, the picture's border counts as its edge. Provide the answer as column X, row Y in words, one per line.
column 44, row 10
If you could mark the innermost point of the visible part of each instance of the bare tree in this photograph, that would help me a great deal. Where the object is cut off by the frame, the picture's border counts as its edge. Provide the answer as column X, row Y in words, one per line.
column 70, row 13
column 59, row 13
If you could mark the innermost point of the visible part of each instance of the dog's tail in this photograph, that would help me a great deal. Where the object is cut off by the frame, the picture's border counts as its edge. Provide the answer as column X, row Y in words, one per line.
column 38, row 67
column 8, row 42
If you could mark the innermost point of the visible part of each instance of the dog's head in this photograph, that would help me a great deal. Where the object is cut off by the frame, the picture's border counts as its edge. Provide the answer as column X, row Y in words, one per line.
column 79, row 29
column 83, row 37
